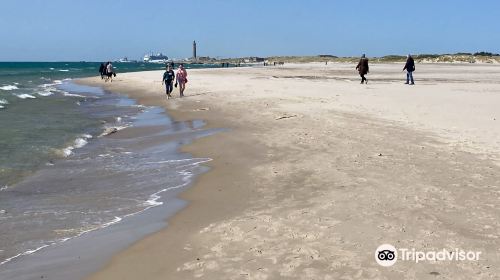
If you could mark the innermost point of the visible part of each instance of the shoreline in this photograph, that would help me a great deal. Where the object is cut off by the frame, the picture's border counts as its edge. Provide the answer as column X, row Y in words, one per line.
column 148, row 128
column 244, row 216
column 197, row 198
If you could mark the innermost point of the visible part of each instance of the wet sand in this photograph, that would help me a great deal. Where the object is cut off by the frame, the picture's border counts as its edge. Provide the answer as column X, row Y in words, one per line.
column 316, row 171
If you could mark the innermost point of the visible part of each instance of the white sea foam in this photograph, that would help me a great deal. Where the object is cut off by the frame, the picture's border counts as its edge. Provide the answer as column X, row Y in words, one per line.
column 105, row 155
column 3, row 101
column 4, row 188
column 50, row 89
column 45, row 93
column 52, row 68
column 29, row 252
column 1, row 107
column 150, row 203
column 63, row 70
column 186, row 178
column 67, row 151
column 25, row 96
column 46, row 85
column 78, row 143
column 153, row 200
column 72, row 94
column 179, row 160
column 9, row 87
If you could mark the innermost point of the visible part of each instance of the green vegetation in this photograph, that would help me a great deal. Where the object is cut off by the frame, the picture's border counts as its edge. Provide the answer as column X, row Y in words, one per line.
column 461, row 57
column 486, row 54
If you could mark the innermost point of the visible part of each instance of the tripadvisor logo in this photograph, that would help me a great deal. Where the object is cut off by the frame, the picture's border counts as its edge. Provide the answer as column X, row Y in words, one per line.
column 388, row 255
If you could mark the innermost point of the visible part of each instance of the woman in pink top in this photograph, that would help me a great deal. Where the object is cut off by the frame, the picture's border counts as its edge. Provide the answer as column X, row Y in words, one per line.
column 181, row 79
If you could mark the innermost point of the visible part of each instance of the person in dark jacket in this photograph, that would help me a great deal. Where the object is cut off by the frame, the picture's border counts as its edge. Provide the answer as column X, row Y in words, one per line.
column 168, row 80
column 363, row 68
column 409, row 67
column 101, row 70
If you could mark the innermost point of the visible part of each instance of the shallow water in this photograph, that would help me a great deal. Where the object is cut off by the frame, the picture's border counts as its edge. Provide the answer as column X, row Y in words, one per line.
column 100, row 183
column 40, row 119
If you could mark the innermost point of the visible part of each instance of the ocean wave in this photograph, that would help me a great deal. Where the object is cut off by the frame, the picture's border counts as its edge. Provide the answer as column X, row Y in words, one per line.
column 78, row 143
column 151, row 202
column 63, row 70
column 46, row 85
column 25, row 96
column 29, row 252
column 73, row 95
column 3, row 101
column 45, row 93
column 61, row 240
column 50, row 89
column 9, row 87
column 51, row 85
column 1, row 107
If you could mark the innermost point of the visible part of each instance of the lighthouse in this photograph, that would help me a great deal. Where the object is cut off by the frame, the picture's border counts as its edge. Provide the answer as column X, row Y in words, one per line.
column 194, row 50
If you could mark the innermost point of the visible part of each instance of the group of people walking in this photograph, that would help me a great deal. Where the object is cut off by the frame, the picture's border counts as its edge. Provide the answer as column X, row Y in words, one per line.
column 171, row 80
column 364, row 69
column 107, row 71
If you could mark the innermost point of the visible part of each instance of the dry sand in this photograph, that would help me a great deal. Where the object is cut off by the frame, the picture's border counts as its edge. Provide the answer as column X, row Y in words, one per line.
column 316, row 171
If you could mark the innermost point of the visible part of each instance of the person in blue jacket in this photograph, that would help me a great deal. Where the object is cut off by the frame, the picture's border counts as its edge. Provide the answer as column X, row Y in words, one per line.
column 409, row 67
column 168, row 80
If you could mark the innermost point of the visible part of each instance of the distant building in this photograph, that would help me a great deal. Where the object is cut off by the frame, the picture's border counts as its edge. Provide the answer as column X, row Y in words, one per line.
column 253, row 59
column 204, row 58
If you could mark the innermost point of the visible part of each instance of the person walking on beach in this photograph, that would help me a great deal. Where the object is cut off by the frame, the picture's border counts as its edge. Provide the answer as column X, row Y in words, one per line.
column 168, row 80
column 101, row 70
column 363, row 68
column 181, row 79
column 109, row 71
column 409, row 67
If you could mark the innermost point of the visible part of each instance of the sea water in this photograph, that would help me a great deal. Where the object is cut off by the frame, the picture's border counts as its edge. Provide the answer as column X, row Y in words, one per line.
column 39, row 120
column 63, row 174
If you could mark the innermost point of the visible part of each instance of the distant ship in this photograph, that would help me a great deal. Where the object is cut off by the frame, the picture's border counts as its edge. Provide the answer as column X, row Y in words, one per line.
column 125, row 60
column 155, row 58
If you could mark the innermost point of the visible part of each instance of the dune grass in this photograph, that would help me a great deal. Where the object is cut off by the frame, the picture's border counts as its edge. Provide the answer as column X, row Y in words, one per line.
column 479, row 57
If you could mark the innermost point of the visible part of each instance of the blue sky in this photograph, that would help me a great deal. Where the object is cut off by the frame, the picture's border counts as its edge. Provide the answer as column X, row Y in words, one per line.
column 95, row 30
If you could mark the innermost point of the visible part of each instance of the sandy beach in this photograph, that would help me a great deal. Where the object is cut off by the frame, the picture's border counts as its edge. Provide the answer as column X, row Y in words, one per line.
column 314, row 171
